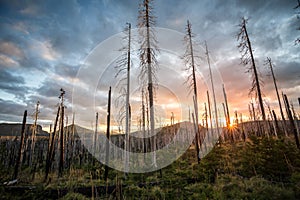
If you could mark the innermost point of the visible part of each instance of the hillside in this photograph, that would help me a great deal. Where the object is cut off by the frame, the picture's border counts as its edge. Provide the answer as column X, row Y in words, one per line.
column 7, row 129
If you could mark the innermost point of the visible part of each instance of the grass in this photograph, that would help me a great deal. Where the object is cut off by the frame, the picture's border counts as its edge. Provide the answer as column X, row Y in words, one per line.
column 259, row 168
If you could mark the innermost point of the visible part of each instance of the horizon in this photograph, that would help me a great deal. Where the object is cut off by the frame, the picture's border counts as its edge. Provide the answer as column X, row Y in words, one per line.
column 42, row 49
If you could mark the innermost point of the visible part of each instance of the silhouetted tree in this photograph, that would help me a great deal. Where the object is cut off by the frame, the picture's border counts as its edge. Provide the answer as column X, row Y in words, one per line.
column 148, row 62
column 191, row 81
column 19, row 156
column 61, row 158
column 213, row 89
column 270, row 64
column 124, row 73
column 247, row 59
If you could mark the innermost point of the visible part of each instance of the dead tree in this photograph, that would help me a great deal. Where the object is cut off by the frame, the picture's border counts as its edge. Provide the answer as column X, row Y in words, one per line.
column 33, row 133
column 295, row 118
column 148, row 61
column 206, row 121
column 95, row 138
column 61, row 158
column 107, row 135
column 248, row 58
column 144, row 123
column 213, row 89
column 275, row 120
column 226, row 108
column 191, row 81
column 292, row 122
column 269, row 62
column 123, row 73
column 197, row 139
column 127, row 105
column 50, row 154
column 19, row 157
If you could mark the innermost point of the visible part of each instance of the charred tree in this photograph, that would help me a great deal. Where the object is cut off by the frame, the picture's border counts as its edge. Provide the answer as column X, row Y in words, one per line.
column 50, row 154
column 209, row 108
column 19, row 156
column 213, row 90
column 33, row 134
column 107, row 135
column 248, row 58
column 191, row 81
column 127, row 105
column 95, row 138
column 123, row 74
column 61, row 158
column 148, row 61
column 197, row 139
column 226, row 107
column 292, row 123
column 269, row 62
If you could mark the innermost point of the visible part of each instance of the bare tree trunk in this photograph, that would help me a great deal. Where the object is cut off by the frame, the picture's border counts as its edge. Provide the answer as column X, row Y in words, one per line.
column 19, row 157
column 250, row 112
column 209, row 109
column 213, row 91
column 189, row 57
column 242, row 126
column 295, row 118
column 197, row 139
column 292, row 123
column 150, row 84
column 256, row 77
column 50, row 154
column 246, row 49
column 61, row 160
column 107, row 135
column 127, row 128
column 144, row 123
column 226, row 107
column 95, row 138
column 277, row 94
column 275, row 121
column 206, row 122
column 33, row 134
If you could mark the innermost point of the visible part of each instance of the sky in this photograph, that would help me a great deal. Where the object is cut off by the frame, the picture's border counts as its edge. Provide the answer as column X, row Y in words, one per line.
column 44, row 44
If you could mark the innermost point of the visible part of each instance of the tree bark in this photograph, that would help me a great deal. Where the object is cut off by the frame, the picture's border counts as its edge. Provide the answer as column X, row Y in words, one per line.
column 107, row 135
column 19, row 157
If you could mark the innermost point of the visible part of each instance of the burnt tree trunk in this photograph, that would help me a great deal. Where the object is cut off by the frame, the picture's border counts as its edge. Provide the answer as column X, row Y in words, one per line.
column 51, row 149
column 292, row 123
column 16, row 171
column 107, row 135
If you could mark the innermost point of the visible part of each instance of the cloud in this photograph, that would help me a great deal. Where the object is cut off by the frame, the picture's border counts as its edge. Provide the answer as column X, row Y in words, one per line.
column 6, row 61
column 43, row 37
column 9, row 107
column 11, row 49
column 13, row 84
column 44, row 50
column 30, row 10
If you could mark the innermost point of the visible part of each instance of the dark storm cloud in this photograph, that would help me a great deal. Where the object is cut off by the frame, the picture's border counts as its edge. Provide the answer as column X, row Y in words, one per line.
column 10, row 110
column 13, row 84
column 288, row 73
column 51, row 88
column 66, row 70
column 53, row 37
